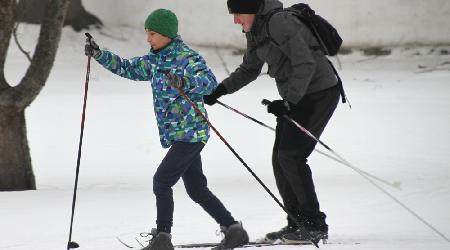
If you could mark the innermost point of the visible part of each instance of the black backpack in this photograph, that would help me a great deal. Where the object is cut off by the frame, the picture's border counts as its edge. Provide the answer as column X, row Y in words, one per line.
column 326, row 35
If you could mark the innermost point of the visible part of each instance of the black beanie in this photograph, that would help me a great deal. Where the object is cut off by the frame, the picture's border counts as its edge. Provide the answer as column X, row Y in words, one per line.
column 244, row 6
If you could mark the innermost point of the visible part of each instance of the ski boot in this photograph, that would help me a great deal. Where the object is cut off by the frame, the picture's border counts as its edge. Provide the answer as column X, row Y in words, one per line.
column 317, row 229
column 298, row 237
column 234, row 236
column 277, row 235
column 159, row 241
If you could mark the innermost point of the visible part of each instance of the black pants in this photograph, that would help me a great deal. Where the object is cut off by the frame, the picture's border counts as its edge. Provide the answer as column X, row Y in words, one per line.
column 292, row 148
column 183, row 161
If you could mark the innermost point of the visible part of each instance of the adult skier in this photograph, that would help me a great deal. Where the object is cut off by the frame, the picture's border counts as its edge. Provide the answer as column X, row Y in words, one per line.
column 309, row 94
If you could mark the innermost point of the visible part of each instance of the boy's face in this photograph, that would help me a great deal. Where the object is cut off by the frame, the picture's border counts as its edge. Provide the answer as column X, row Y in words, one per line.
column 156, row 40
column 245, row 20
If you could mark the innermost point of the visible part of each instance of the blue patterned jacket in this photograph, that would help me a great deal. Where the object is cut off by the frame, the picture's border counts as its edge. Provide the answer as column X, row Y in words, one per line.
column 176, row 119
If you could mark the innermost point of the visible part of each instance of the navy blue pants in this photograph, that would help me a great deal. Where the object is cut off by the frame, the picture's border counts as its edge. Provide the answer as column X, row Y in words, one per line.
column 183, row 161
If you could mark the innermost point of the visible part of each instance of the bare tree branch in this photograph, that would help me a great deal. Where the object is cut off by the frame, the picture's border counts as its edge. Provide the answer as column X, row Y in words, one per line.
column 26, row 53
column 44, row 55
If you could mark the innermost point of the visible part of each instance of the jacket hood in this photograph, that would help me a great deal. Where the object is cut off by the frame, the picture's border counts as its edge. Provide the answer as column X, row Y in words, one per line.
column 268, row 6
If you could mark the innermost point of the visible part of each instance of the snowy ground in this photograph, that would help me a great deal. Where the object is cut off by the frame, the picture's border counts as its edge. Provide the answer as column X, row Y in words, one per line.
column 397, row 129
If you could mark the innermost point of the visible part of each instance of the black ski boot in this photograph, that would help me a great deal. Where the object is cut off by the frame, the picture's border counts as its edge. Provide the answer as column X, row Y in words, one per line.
column 234, row 236
column 277, row 235
column 297, row 237
column 317, row 229
column 159, row 241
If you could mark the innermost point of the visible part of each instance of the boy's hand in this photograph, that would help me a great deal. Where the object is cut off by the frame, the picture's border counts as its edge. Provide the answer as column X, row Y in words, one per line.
column 91, row 48
column 174, row 80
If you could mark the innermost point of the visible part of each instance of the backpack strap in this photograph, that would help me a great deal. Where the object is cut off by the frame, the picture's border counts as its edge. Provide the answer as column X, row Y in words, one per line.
column 267, row 20
column 341, row 87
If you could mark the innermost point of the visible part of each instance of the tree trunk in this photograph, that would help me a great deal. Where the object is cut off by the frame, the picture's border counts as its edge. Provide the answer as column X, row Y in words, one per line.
column 78, row 18
column 32, row 11
column 16, row 172
column 15, row 163
column 6, row 27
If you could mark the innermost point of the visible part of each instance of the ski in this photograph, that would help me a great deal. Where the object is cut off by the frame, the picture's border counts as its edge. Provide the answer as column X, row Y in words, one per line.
column 132, row 242
column 123, row 243
column 129, row 245
column 248, row 245
column 211, row 245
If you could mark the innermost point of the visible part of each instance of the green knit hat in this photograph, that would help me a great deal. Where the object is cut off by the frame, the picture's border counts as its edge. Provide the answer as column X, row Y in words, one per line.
column 164, row 22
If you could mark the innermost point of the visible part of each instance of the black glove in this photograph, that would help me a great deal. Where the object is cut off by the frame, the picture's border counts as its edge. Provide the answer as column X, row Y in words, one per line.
column 211, row 99
column 278, row 108
column 174, row 80
column 91, row 48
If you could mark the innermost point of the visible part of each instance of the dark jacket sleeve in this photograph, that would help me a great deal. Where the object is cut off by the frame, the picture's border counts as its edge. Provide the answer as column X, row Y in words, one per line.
column 247, row 72
column 293, row 39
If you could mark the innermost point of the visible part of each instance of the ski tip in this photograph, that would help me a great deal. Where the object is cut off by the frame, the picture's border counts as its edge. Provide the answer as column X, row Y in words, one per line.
column 88, row 35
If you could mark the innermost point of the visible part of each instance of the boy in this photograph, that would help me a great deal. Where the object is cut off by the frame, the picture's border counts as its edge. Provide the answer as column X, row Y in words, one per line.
column 170, row 65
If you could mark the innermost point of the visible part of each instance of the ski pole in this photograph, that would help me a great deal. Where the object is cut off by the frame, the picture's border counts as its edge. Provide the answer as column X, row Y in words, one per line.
column 301, row 228
column 269, row 127
column 342, row 161
column 224, row 64
column 70, row 243
column 267, row 102
column 304, row 130
column 245, row 115
column 339, row 158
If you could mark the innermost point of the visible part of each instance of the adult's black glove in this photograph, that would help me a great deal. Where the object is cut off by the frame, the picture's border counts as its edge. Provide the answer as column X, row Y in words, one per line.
column 211, row 99
column 174, row 80
column 278, row 107
column 91, row 48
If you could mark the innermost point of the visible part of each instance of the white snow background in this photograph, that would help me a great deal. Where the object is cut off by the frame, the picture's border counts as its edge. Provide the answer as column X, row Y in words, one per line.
column 397, row 129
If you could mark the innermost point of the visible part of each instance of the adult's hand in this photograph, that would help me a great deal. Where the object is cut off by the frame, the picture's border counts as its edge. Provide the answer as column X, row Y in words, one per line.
column 211, row 99
column 278, row 107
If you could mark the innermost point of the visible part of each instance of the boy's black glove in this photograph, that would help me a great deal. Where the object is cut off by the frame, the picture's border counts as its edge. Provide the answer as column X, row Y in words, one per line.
column 174, row 80
column 91, row 48
column 211, row 99
column 278, row 107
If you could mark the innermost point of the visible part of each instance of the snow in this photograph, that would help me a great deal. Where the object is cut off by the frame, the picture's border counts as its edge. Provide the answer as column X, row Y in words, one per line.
column 397, row 129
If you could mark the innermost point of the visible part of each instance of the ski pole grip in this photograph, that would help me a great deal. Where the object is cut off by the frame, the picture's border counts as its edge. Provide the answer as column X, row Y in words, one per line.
column 265, row 102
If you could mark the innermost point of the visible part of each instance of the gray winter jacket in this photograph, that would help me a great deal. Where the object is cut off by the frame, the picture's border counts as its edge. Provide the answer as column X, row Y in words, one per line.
column 297, row 69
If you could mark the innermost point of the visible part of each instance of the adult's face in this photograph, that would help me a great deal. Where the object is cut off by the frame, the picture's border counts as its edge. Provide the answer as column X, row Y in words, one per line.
column 245, row 20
